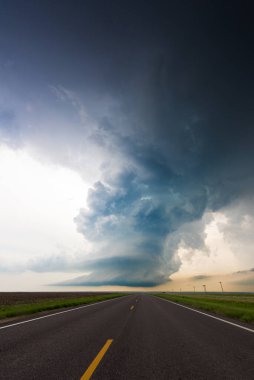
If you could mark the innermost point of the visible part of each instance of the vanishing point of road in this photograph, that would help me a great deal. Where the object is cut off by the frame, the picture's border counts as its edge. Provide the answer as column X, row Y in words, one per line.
column 133, row 337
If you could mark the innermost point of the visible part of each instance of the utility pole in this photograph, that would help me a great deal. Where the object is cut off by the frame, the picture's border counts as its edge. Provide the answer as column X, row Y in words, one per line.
column 222, row 290
column 204, row 288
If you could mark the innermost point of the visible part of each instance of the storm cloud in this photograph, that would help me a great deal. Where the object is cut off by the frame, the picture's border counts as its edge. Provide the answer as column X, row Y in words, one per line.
column 187, row 139
column 163, row 93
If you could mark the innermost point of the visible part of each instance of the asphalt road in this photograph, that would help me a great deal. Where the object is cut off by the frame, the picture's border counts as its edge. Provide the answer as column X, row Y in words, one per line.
column 151, row 339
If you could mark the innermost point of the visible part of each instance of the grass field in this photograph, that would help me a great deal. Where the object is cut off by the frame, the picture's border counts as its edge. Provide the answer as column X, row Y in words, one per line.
column 19, row 304
column 239, row 306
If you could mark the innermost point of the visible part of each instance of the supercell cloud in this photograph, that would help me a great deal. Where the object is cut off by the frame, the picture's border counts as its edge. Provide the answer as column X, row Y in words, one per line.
column 157, row 99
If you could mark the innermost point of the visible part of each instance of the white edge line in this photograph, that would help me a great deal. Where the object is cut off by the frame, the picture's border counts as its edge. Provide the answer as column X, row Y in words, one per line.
column 59, row 312
column 207, row 315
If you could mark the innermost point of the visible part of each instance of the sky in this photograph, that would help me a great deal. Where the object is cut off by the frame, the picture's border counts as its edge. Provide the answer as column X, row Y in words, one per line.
column 126, row 145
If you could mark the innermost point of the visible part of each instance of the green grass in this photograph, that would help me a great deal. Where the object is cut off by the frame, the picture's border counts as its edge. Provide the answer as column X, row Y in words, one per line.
column 25, row 309
column 229, row 306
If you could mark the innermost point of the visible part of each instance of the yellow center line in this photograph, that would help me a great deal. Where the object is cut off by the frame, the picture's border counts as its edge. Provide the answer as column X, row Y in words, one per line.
column 132, row 307
column 90, row 370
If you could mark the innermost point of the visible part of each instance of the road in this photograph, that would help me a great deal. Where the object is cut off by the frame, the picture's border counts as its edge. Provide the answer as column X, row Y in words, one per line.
column 145, row 337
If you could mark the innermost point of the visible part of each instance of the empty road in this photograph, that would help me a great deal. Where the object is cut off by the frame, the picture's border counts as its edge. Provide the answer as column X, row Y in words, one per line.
column 134, row 337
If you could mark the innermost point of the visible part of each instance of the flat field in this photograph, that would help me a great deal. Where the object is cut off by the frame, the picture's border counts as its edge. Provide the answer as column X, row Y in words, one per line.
column 13, row 304
column 239, row 306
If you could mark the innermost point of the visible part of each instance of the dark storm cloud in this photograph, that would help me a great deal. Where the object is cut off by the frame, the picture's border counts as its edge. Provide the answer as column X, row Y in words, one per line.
column 200, row 277
column 122, row 271
column 245, row 271
column 169, row 86
column 244, row 277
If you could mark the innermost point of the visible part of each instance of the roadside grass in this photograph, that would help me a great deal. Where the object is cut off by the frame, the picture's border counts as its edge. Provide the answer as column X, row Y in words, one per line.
column 233, row 306
column 26, row 309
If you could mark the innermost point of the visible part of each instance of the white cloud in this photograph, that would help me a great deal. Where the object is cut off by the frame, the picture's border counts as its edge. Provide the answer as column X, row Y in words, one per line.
column 38, row 203
column 228, row 242
column 238, row 231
